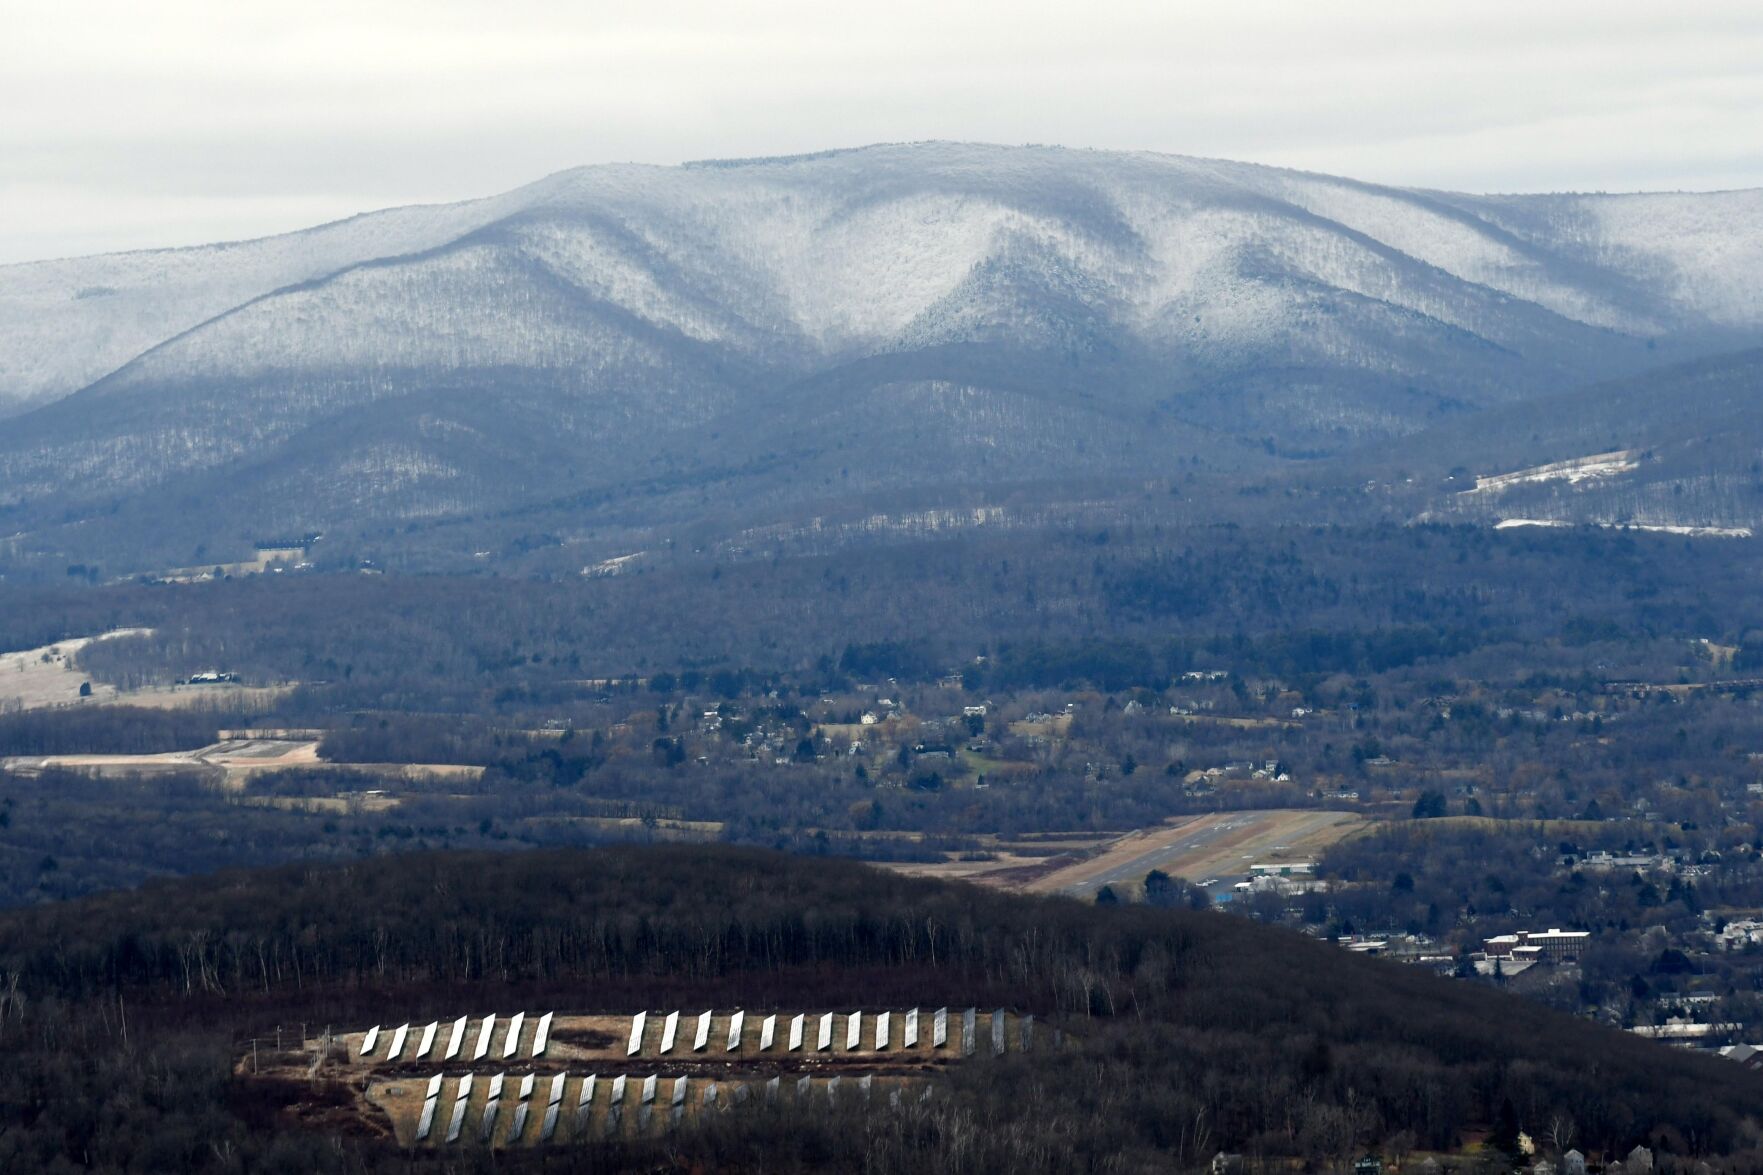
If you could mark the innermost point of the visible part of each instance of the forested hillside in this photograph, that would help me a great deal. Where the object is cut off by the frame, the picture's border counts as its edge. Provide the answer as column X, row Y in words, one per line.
column 1185, row 1033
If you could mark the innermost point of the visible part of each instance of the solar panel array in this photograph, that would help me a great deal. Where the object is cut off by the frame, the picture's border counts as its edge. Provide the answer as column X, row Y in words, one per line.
column 527, row 1124
column 531, row 1120
column 891, row 1030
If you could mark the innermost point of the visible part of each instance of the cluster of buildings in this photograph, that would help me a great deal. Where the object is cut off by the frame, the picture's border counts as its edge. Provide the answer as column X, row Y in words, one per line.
column 1538, row 946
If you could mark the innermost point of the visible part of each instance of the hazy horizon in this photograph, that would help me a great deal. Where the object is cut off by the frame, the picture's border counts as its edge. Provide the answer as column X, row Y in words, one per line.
column 183, row 124
column 838, row 148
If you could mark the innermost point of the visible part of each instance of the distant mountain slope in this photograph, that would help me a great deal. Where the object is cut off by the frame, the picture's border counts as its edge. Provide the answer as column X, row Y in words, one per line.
column 868, row 319
column 1677, row 448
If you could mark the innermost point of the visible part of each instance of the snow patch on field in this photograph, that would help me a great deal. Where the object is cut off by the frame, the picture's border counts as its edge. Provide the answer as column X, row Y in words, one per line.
column 617, row 565
column 1573, row 472
column 1719, row 532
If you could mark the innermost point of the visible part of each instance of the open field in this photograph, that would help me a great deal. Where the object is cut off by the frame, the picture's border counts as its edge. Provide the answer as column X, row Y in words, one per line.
column 233, row 762
column 46, row 676
column 34, row 679
column 228, row 694
column 1005, row 863
column 261, row 562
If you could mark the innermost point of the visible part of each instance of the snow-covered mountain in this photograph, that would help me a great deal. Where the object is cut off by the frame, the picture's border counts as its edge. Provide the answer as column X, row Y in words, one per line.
column 884, row 317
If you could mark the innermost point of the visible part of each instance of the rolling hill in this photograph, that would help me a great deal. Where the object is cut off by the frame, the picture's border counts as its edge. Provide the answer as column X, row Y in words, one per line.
column 139, row 1025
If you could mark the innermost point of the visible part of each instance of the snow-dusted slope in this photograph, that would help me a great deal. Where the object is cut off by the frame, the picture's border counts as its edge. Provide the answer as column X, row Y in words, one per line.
column 1034, row 312
column 872, row 249
column 66, row 323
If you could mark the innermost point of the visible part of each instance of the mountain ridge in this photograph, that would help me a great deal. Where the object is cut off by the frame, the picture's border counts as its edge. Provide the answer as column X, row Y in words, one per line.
column 974, row 309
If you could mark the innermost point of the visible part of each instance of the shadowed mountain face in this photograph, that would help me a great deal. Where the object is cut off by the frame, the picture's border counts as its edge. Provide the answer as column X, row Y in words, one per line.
column 780, row 331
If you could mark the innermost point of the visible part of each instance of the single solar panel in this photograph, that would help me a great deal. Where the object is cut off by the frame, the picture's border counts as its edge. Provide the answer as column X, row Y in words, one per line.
column 426, row 1123
column 854, row 1032
column 457, row 1040
column 372, row 1038
column 584, row 1103
column 735, row 1023
column 638, row 1023
column 939, row 1029
column 909, row 1036
column 702, row 1037
column 542, row 1035
column 511, row 1045
column 767, row 1032
column 428, row 1041
column 825, row 1039
column 796, row 1032
column 483, row 1038
column 488, row 1127
column 669, row 1030
column 461, row 1098
column 882, row 1027
column 397, row 1048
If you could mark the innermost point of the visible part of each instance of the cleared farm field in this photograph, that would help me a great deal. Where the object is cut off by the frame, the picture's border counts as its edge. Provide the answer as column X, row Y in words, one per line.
column 49, row 676
column 46, row 676
column 233, row 762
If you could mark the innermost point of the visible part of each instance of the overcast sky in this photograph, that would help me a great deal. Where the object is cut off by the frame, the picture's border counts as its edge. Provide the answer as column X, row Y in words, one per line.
column 136, row 124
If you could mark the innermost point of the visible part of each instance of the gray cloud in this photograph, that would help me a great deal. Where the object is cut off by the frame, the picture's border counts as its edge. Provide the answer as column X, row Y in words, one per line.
column 133, row 125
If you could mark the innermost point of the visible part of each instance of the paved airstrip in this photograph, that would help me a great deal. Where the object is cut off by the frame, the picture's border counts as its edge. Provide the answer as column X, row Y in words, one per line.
column 1221, row 846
